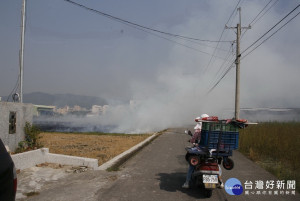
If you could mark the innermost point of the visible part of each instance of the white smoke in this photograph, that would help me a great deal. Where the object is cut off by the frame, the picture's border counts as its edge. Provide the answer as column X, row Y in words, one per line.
column 177, row 100
column 169, row 83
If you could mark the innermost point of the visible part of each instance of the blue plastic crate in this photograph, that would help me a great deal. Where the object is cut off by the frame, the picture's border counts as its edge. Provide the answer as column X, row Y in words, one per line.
column 217, row 126
column 229, row 139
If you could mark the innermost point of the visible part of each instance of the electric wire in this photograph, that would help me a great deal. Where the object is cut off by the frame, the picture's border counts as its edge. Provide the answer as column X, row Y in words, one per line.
column 217, row 83
column 141, row 27
column 234, row 10
column 271, row 35
column 227, row 63
column 138, row 25
column 14, row 89
column 181, row 44
column 205, row 45
column 266, row 12
column 270, row 29
column 231, row 66
column 222, row 65
column 261, row 11
column 227, row 59
column 228, row 55
column 149, row 30
column 253, row 22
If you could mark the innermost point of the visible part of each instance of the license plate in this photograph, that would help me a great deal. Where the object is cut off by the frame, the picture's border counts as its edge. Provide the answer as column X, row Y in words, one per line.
column 212, row 179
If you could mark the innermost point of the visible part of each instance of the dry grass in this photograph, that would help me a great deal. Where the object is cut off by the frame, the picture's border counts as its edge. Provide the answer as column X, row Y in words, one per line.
column 275, row 146
column 100, row 146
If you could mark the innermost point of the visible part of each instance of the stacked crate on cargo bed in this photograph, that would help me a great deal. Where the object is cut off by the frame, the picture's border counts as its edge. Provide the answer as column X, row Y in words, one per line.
column 213, row 131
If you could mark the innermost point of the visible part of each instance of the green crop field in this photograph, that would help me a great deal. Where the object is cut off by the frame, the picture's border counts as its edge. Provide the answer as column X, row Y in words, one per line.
column 275, row 146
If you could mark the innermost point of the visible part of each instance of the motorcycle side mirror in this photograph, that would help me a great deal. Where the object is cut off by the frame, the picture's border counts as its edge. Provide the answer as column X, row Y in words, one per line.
column 188, row 132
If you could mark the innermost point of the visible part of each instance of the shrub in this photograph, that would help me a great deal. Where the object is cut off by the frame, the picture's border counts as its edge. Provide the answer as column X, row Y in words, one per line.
column 22, row 146
column 32, row 135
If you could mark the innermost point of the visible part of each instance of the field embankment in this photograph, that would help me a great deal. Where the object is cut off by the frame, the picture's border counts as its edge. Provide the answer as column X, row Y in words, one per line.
column 92, row 145
column 275, row 146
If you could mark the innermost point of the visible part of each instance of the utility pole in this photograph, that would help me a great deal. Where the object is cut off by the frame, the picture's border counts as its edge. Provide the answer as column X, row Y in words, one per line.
column 238, row 63
column 22, row 50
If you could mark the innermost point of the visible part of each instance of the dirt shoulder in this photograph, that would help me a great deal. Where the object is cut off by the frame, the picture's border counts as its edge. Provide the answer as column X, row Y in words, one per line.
column 99, row 146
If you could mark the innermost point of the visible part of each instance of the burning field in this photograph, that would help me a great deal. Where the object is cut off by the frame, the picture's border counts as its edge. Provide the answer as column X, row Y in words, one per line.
column 92, row 145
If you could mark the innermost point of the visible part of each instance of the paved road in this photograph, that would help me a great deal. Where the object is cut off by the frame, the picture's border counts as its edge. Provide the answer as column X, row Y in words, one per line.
column 159, row 170
column 156, row 173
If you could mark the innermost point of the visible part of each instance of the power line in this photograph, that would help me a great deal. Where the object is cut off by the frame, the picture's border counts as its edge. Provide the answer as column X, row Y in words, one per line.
column 234, row 10
column 223, row 73
column 271, row 35
column 227, row 71
column 266, row 12
column 261, row 11
column 231, row 66
column 225, row 63
column 170, row 40
column 181, row 44
column 221, row 37
column 138, row 25
column 14, row 89
column 254, row 22
column 150, row 30
column 270, row 29
column 231, row 55
column 205, row 45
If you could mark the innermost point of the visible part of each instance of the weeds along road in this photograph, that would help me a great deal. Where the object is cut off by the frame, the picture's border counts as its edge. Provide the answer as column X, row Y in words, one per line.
column 157, row 173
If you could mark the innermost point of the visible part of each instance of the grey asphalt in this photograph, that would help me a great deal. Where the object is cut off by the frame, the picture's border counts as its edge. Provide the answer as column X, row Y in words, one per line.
column 157, row 172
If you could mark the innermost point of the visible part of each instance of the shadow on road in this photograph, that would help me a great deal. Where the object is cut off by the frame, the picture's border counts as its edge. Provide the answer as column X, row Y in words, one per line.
column 172, row 182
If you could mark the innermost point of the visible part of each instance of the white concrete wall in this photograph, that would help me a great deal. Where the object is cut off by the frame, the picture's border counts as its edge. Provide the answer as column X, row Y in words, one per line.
column 30, row 158
column 35, row 157
column 24, row 114
column 72, row 160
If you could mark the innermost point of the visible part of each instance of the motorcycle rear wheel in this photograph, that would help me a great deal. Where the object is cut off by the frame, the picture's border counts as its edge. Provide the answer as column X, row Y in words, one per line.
column 207, row 193
column 228, row 164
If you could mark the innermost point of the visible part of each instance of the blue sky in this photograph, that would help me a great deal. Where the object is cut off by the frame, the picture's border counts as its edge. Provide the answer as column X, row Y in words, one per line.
column 71, row 50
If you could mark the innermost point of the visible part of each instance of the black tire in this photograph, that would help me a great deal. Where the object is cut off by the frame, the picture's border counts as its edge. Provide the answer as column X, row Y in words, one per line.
column 228, row 164
column 207, row 193
column 187, row 155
